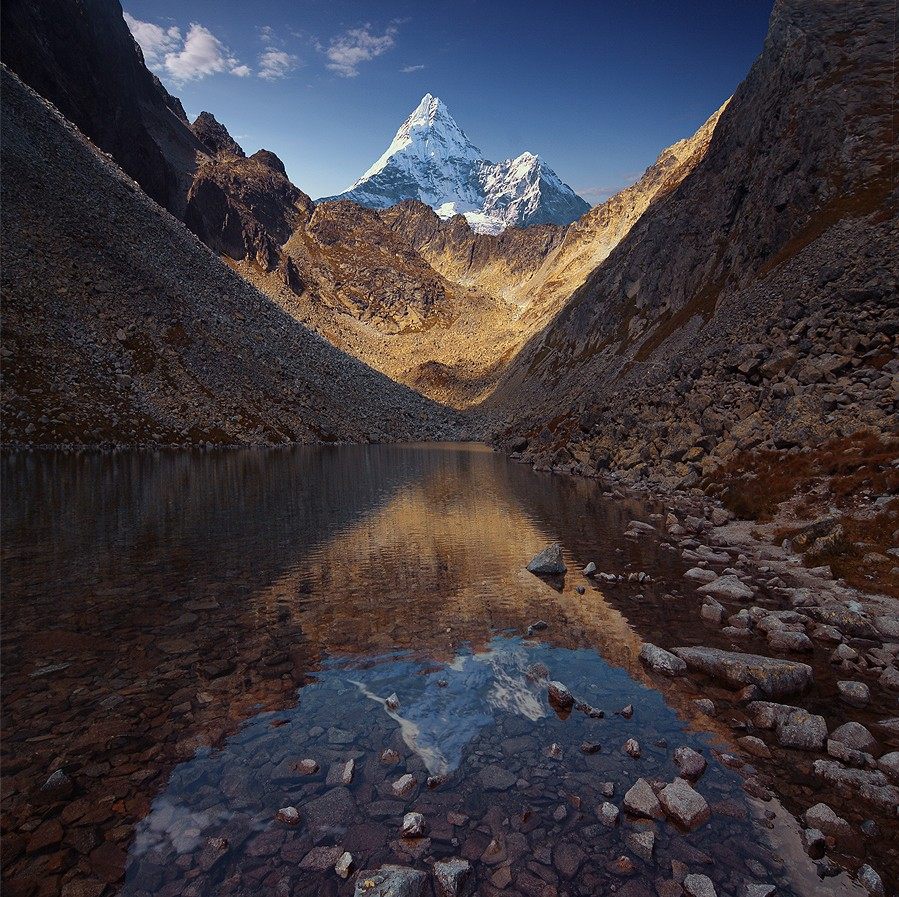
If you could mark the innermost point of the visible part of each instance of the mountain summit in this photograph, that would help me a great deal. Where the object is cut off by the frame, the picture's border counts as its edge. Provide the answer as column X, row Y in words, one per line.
column 432, row 159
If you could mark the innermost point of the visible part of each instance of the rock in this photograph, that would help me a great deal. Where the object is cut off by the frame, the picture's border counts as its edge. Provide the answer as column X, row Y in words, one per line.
column 856, row 694
column 344, row 865
column 288, row 815
column 389, row 757
column 321, row 859
column 568, row 858
column 889, row 679
column 781, row 640
column 797, row 728
column 390, row 881
column 580, row 590
column 888, row 764
column 868, row 785
column 548, row 562
column 822, row 817
column 701, row 574
column 559, row 696
column 814, row 843
column 773, row 676
column 754, row 746
column 539, row 626
column 404, row 785
column 854, row 735
column 307, row 767
column 496, row 778
column 757, row 890
column 624, row 865
column 642, row 844
column 870, row 881
column 590, row 569
column 413, row 826
column 728, row 587
column 705, row 705
column 627, row 711
column 684, row 804
column 690, row 763
column 696, row 885
column 846, row 620
column 393, row 702
column 662, row 661
column 554, row 751
column 57, row 787
column 453, row 877
column 641, row 800
column 608, row 814
column 632, row 748
column 842, row 653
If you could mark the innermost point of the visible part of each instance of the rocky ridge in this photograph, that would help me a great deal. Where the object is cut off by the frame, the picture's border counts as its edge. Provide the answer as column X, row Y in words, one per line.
column 120, row 327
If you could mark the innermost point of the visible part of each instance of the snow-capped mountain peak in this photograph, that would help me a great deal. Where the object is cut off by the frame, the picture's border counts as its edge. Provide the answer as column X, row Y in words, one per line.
column 431, row 158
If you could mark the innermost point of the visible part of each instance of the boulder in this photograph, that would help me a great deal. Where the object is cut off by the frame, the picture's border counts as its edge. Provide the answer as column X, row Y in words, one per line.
column 662, row 661
column 728, row 587
column 684, row 804
column 888, row 764
column 453, row 877
column 822, row 817
column 641, row 800
column 390, row 881
column 856, row 694
column 774, row 677
column 559, row 696
column 548, row 562
column 854, row 735
column 696, row 885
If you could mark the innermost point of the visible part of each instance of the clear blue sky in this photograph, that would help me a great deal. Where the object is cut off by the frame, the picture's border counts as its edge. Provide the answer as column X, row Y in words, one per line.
column 595, row 88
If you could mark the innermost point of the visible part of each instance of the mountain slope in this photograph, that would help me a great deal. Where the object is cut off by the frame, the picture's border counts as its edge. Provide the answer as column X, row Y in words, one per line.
column 80, row 55
column 120, row 327
column 754, row 305
column 432, row 160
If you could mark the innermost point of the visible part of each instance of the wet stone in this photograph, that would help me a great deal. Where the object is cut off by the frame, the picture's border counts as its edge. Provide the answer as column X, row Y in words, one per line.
column 404, row 785
column 856, row 694
column 568, row 858
column 690, row 763
column 684, row 805
column 642, row 844
column 321, row 859
column 344, row 865
column 608, row 814
column 632, row 748
column 698, row 885
column 288, row 815
column 413, row 826
column 453, row 877
column 641, row 800
column 390, row 881
column 496, row 778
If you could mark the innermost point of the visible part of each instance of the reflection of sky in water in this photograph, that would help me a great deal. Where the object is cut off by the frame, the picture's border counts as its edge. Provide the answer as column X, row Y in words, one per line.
column 236, row 790
column 438, row 721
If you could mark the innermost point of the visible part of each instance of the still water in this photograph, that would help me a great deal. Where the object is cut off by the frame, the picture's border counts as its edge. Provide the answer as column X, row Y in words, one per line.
column 180, row 631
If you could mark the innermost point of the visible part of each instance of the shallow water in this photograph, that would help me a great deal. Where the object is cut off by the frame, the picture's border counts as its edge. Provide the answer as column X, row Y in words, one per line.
column 180, row 630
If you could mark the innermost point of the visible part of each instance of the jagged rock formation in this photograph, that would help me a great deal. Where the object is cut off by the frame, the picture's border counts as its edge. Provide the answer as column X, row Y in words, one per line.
column 120, row 327
column 82, row 57
column 755, row 304
column 431, row 159
column 215, row 137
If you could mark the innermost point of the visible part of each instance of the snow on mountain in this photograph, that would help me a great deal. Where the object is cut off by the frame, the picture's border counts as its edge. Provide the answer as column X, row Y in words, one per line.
column 432, row 159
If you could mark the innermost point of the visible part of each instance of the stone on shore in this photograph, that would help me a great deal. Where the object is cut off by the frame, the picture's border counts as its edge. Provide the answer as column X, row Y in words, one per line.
column 548, row 562
column 822, row 817
column 855, row 736
column 870, row 881
column 662, row 661
column 344, row 865
column 413, row 826
column 608, row 814
column 560, row 696
column 855, row 694
column 775, row 677
column 888, row 764
column 696, row 885
column 727, row 586
column 390, row 881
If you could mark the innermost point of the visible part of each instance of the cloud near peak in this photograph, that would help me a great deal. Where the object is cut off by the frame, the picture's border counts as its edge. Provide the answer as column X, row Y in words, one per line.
column 347, row 51
column 189, row 57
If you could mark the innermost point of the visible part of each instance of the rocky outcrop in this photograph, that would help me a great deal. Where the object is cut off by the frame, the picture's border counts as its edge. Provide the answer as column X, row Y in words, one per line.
column 80, row 55
column 119, row 327
column 753, row 305
column 771, row 676
column 215, row 137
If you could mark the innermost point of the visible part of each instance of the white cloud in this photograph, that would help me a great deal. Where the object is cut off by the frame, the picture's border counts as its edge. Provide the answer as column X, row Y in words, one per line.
column 408, row 69
column 199, row 54
column 349, row 50
column 275, row 64
column 154, row 40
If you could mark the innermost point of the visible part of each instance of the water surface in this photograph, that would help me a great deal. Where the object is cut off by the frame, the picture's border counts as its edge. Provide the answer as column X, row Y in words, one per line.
column 180, row 630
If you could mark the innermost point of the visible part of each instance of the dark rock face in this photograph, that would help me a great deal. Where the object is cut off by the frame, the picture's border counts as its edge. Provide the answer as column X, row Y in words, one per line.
column 244, row 208
column 719, row 322
column 80, row 55
column 215, row 137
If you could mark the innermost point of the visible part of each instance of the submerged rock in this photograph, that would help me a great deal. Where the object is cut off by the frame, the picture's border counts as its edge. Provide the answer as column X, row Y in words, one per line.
column 641, row 800
column 690, row 763
column 684, row 804
column 548, row 562
column 696, row 885
column 344, row 865
column 390, row 881
column 727, row 586
column 773, row 676
column 288, row 815
column 559, row 696
column 413, row 826
column 453, row 877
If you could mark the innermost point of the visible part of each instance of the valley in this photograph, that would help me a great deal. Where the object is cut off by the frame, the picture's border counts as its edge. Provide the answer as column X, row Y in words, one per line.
column 274, row 469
